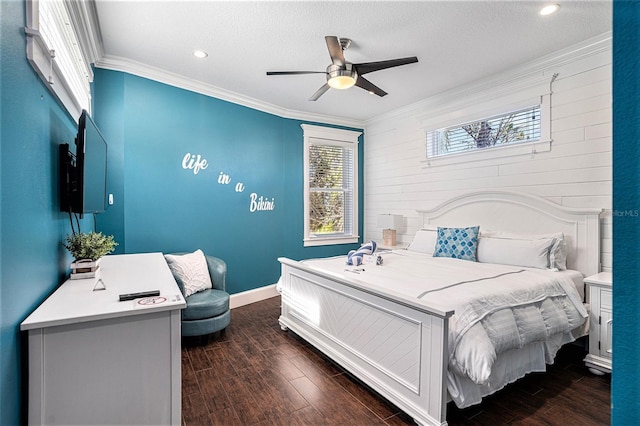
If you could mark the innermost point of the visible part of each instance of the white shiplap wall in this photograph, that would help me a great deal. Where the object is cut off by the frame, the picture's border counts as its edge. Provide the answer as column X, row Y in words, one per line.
column 577, row 172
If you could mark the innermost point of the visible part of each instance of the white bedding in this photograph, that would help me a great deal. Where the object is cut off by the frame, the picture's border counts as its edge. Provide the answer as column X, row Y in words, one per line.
column 498, row 308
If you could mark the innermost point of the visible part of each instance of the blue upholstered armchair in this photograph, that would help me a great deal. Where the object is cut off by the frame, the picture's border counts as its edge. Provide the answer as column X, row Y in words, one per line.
column 207, row 311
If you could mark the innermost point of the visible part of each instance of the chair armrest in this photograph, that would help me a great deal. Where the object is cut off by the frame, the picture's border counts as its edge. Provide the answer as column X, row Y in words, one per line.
column 218, row 272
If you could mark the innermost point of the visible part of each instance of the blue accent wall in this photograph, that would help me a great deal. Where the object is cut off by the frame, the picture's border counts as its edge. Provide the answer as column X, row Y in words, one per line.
column 33, row 261
column 158, row 134
column 626, row 205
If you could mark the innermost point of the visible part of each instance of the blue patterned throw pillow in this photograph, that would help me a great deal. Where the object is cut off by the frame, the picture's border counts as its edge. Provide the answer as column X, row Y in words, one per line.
column 459, row 243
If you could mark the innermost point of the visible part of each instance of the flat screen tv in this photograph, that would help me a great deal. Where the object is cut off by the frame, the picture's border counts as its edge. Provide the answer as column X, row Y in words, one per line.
column 83, row 175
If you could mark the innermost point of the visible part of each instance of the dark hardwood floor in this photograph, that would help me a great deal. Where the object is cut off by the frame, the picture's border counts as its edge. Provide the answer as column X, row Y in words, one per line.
column 255, row 374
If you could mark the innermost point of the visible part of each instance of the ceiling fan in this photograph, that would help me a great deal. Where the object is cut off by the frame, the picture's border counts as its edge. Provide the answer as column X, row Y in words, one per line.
column 342, row 74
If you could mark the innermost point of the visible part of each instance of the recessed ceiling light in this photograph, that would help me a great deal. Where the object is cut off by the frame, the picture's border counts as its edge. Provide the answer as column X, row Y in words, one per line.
column 548, row 10
column 200, row 54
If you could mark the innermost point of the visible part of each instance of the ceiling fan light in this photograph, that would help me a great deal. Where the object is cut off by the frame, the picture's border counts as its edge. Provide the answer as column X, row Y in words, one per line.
column 200, row 54
column 549, row 9
column 341, row 77
column 341, row 82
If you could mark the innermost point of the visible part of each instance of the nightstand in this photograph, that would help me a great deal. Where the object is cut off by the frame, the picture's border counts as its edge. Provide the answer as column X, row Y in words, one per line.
column 600, row 297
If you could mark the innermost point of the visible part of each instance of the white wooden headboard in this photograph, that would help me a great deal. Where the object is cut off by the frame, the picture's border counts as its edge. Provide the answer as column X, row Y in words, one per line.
column 526, row 214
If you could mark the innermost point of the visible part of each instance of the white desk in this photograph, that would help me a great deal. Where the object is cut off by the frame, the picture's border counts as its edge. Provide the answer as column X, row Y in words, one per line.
column 95, row 360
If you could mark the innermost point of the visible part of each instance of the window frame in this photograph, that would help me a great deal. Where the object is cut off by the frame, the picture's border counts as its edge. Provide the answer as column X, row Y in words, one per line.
column 434, row 137
column 333, row 137
column 479, row 112
column 83, row 17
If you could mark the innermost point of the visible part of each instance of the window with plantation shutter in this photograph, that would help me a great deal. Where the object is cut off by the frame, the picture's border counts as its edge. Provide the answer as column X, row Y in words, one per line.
column 61, row 39
column 330, row 186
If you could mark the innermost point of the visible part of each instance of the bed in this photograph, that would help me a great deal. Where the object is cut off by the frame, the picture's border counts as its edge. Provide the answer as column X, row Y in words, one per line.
column 414, row 328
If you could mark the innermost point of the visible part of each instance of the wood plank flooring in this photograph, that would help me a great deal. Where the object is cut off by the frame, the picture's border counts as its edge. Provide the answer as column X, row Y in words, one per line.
column 255, row 374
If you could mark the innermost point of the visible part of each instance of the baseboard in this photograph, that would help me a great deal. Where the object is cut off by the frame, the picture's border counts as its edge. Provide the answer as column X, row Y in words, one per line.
column 251, row 296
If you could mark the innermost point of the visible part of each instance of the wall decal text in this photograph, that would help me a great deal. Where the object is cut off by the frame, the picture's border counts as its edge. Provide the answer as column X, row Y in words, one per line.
column 224, row 179
column 197, row 163
column 194, row 162
column 260, row 204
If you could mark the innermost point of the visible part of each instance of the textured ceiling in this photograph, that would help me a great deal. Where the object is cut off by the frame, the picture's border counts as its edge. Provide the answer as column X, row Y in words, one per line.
column 456, row 42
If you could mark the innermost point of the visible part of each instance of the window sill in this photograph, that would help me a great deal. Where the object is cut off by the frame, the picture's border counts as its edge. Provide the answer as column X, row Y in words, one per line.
column 488, row 154
column 314, row 242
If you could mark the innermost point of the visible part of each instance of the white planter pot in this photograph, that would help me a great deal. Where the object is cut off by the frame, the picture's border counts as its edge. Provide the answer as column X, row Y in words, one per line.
column 86, row 268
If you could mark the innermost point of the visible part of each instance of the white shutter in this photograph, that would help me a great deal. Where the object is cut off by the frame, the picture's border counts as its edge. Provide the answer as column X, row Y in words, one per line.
column 56, row 52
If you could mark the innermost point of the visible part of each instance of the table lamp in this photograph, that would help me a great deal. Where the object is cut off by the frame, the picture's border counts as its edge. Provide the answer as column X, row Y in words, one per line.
column 389, row 223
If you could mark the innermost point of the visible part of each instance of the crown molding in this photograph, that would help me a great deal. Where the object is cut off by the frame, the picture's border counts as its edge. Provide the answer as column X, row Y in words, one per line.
column 139, row 69
column 537, row 70
column 523, row 76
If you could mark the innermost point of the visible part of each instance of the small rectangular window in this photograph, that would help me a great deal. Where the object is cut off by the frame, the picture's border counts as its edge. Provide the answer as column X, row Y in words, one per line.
column 505, row 129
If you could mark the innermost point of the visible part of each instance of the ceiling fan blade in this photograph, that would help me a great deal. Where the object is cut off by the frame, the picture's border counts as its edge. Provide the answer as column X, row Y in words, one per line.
column 294, row 72
column 319, row 92
column 335, row 50
column 366, row 67
column 369, row 86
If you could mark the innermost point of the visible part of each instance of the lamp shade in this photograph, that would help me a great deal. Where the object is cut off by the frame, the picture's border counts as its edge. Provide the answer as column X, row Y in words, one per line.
column 389, row 221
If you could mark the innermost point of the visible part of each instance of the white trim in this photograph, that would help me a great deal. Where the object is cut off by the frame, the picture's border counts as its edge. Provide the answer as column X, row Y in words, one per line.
column 330, row 133
column 162, row 76
column 85, row 20
column 534, row 91
column 512, row 150
column 326, row 241
column 330, row 136
column 39, row 56
column 251, row 296
column 85, row 24
column 482, row 110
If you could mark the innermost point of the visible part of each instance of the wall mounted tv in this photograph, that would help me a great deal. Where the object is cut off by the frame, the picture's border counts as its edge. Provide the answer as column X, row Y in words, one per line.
column 83, row 175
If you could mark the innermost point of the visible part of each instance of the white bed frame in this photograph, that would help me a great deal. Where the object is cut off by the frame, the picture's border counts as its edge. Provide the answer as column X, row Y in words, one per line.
column 397, row 344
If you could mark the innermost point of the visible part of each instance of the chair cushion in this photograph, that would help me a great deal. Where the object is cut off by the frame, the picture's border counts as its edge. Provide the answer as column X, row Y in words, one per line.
column 206, row 304
column 206, row 326
column 190, row 271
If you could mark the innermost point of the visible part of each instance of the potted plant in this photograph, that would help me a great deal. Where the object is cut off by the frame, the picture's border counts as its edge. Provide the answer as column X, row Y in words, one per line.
column 87, row 249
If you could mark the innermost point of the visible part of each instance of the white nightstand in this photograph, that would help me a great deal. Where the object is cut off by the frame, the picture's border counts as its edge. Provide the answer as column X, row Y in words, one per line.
column 600, row 297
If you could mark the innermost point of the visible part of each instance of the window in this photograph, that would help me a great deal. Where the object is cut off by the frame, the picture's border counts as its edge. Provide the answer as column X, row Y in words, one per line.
column 509, row 128
column 61, row 57
column 490, row 121
column 330, row 186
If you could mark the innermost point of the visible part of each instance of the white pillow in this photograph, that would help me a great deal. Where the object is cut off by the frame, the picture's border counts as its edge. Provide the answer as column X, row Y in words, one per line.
column 557, row 252
column 509, row 251
column 191, row 271
column 516, row 236
column 424, row 241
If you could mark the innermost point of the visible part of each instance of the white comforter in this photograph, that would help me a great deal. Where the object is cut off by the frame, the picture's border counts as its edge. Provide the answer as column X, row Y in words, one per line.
column 497, row 307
